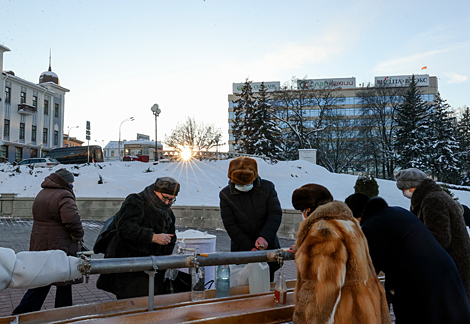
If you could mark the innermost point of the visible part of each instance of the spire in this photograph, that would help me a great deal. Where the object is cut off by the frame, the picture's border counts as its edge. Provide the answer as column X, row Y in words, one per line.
column 50, row 69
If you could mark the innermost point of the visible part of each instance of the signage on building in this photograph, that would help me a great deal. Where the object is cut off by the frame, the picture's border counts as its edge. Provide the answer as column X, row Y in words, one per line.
column 270, row 86
column 143, row 137
column 401, row 80
column 315, row 84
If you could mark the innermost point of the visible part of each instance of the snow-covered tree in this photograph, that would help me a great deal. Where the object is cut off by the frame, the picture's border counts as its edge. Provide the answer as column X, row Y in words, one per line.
column 442, row 147
column 242, row 127
column 463, row 136
column 412, row 129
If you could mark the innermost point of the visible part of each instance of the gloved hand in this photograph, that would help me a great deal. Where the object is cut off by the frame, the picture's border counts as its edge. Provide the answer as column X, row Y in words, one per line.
column 261, row 243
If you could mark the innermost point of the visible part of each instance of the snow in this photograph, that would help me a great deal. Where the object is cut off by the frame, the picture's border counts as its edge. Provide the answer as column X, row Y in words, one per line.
column 200, row 181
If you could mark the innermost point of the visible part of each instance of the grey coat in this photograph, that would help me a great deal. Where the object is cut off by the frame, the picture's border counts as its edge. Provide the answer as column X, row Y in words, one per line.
column 443, row 217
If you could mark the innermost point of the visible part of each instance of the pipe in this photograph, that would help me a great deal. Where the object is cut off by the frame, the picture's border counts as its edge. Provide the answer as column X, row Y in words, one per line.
column 117, row 265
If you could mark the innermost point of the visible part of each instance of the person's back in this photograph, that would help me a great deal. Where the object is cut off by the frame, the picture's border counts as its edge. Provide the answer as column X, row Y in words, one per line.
column 424, row 280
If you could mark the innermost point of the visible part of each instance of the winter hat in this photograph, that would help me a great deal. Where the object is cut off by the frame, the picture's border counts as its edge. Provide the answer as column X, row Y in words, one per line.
column 167, row 185
column 243, row 170
column 310, row 196
column 410, row 178
column 66, row 175
column 357, row 202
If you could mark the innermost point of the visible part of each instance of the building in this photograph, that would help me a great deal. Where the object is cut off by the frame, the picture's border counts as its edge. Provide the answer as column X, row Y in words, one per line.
column 72, row 141
column 31, row 115
column 111, row 150
column 346, row 88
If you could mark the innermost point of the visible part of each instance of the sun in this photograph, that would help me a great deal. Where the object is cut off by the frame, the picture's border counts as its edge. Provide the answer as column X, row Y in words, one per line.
column 186, row 153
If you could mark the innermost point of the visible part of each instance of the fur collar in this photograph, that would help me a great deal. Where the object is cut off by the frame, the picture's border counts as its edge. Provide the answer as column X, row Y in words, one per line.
column 425, row 188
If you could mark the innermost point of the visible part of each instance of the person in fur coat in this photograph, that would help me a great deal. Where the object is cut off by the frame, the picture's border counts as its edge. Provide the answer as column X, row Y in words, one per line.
column 442, row 215
column 336, row 281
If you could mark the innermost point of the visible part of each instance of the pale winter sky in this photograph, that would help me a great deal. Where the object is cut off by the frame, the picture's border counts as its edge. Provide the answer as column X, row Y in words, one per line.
column 118, row 58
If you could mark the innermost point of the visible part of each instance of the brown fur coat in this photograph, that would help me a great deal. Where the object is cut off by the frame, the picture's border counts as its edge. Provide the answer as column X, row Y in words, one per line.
column 336, row 281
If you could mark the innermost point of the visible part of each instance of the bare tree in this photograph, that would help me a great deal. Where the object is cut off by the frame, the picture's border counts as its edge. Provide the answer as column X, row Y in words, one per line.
column 195, row 136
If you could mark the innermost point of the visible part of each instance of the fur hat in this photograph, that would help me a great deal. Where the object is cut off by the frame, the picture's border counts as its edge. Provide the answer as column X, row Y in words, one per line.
column 66, row 175
column 167, row 185
column 410, row 178
column 357, row 203
column 243, row 170
column 310, row 196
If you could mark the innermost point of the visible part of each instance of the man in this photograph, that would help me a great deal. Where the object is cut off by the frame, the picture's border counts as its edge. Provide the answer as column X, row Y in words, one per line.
column 56, row 226
column 145, row 225
column 422, row 280
column 441, row 215
column 250, row 209
column 336, row 282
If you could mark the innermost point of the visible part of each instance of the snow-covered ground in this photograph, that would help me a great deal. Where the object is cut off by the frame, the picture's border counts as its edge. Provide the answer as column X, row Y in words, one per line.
column 200, row 181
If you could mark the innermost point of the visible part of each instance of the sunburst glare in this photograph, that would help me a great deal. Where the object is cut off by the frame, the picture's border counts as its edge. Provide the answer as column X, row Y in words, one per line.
column 186, row 153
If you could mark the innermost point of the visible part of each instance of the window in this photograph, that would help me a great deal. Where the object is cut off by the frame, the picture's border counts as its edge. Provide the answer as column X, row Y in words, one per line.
column 7, row 95
column 22, row 131
column 4, row 151
column 35, row 101
column 6, row 129
column 33, row 133
column 112, row 152
column 46, row 107
column 23, row 97
column 56, row 110
column 18, row 154
column 44, row 135
column 56, row 137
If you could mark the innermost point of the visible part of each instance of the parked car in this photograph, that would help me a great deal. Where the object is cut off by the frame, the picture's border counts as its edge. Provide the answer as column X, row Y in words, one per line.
column 40, row 162
column 141, row 158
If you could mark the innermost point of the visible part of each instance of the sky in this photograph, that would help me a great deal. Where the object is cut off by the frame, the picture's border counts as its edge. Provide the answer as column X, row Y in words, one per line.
column 118, row 58
column 200, row 182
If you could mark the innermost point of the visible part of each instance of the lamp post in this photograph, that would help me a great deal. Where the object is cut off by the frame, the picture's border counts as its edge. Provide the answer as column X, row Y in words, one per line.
column 156, row 111
column 217, row 138
column 69, row 128
column 128, row 119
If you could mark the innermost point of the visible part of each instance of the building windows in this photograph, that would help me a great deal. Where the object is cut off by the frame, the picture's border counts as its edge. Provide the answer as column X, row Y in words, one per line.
column 56, row 137
column 7, row 95
column 44, row 135
column 56, row 110
column 6, row 128
column 35, row 101
column 18, row 154
column 46, row 107
column 22, row 131
column 33, row 133
column 112, row 153
column 22, row 97
column 4, row 151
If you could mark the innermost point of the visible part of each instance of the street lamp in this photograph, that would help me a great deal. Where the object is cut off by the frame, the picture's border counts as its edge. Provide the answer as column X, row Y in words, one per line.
column 156, row 111
column 69, row 128
column 217, row 138
column 128, row 119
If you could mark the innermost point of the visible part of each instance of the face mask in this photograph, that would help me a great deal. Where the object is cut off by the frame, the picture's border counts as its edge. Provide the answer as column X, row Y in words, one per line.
column 71, row 185
column 407, row 193
column 244, row 188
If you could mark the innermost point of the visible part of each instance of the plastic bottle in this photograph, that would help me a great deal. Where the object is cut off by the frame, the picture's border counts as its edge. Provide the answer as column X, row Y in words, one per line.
column 223, row 281
column 259, row 278
column 280, row 292
column 197, row 284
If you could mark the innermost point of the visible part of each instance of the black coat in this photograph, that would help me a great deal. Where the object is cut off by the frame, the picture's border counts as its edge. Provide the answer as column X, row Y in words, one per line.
column 444, row 218
column 425, row 281
column 141, row 215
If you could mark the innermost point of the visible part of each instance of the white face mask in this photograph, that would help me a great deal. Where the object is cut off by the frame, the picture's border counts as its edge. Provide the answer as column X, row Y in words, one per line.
column 244, row 188
column 407, row 193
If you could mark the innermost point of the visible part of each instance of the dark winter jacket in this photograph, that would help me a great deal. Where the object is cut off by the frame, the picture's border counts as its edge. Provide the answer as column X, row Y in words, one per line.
column 444, row 218
column 141, row 216
column 249, row 215
column 424, row 281
column 57, row 224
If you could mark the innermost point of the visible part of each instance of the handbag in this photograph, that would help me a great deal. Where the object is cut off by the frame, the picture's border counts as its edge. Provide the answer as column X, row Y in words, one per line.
column 104, row 237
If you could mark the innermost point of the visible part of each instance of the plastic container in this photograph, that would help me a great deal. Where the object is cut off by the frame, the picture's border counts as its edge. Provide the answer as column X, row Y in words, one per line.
column 280, row 291
column 222, row 287
column 259, row 278
column 197, row 284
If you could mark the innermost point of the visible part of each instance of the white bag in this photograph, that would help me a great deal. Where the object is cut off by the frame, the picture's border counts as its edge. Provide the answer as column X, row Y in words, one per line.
column 239, row 274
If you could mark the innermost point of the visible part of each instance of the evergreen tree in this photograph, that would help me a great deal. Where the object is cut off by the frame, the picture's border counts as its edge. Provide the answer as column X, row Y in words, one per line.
column 442, row 145
column 242, row 127
column 265, row 139
column 463, row 136
column 412, row 129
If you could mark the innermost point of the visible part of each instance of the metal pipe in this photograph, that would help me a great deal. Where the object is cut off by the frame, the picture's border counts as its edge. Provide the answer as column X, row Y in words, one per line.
column 117, row 265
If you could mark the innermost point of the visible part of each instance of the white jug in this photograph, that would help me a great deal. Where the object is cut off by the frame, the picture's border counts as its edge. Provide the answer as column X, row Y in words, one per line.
column 259, row 278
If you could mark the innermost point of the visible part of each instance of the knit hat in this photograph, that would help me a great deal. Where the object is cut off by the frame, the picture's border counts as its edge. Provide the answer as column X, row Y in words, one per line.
column 167, row 185
column 310, row 196
column 410, row 178
column 66, row 175
column 357, row 203
column 243, row 170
